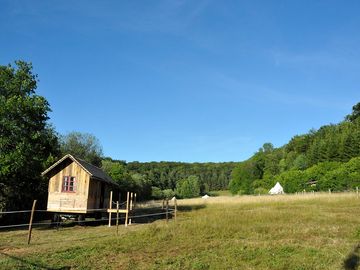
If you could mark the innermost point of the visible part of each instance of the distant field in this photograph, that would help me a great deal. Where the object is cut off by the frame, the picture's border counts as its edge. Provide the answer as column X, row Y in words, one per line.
column 249, row 232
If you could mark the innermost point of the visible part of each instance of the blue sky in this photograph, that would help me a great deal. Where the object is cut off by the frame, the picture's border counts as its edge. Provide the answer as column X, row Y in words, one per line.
column 188, row 80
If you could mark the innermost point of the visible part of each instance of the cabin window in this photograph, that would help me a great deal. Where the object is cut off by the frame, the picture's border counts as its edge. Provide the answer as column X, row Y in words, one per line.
column 69, row 184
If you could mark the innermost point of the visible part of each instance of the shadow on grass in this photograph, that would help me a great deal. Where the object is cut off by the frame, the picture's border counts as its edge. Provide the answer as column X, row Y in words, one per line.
column 31, row 265
column 137, row 216
column 188, row 208
column 144, row 215
column 353, row 259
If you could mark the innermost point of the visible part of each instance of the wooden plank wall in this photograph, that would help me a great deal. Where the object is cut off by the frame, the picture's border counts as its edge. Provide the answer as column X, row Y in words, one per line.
column 94, row 194
column 68, row 201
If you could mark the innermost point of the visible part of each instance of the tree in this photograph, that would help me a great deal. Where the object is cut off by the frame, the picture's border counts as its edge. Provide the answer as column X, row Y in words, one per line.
column 82, row 145
column 267, row 147
column 355, row 113
column 300, row 163
column 168, row 193
column 27, row 142
column 292, row 181
column 157, row 193
column 189, row 187
column 243, row 177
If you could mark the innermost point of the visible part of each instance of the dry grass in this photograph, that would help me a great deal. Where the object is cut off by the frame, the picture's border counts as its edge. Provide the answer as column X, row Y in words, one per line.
column 312, row 231
column 246, row 199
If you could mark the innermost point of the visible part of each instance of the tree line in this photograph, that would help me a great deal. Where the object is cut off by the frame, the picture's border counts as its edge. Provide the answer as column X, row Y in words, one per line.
column 327, row 158
column 166, row 179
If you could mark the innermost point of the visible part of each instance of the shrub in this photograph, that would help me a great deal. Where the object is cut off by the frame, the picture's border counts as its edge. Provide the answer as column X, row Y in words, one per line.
column 157, row 193
column 189, row 187
column 168, row 193
column 261, row 190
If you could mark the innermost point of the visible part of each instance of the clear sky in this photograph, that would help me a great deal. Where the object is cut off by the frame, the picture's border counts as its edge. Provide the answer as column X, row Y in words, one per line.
column 188, row 80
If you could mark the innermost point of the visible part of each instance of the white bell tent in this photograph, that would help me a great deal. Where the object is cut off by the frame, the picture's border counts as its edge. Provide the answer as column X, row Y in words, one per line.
column 277, row 189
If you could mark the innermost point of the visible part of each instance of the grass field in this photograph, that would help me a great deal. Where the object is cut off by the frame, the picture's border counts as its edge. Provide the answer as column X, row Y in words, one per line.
column 249, row 232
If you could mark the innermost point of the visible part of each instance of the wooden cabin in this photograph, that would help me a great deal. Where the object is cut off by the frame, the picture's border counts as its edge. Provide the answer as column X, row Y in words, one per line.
column 312, row 183
column 78, row 187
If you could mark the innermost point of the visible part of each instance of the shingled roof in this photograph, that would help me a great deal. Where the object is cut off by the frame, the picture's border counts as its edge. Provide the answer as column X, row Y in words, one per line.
column 92, row 170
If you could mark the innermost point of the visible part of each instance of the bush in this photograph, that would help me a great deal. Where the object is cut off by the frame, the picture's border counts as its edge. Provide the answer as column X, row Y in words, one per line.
column 261, row 190
column 189, row 187
column 335, row 180
column 168, row 193
column 157, row 193
column 293, row 180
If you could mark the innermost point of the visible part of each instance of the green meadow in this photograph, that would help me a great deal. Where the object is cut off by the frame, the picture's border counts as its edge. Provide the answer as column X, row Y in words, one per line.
column 313, row 231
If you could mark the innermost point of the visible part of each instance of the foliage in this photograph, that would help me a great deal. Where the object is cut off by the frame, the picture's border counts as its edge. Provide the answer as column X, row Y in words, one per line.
column 166, row 175
column 28, row 144
column 242, row 177
column 188, row 188
column 261, row 190
column 157, row 193
column 355, row 113
column 168, row 193
column 320, row 155
column 292, row 181
column 82, row 145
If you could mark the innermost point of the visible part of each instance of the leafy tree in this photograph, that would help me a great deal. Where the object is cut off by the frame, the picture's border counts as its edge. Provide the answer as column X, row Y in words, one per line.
column 352, row 167
column 168, row 193
column 300, row 163
column 292, row 181
column 272, row 163
column 267, row 148
column 189, row 187
column 336, row 180
column 115, row 170
column 28, row 144
column 355, row 113
column 318, row 171
column 242, row 178
column 141, row 185
column 157, row 193
column 82, row 145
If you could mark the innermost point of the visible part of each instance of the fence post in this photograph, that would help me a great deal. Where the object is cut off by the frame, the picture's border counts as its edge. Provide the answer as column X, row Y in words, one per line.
column 167, row 210
column 163, row 203
column 357, row 192
column 134, row 200
column 31, row 220
column 131, row 200
column 329, row 191
column 127, row 209
column 175, row 208
column 110, row 206
column 117, row 218
column 131, row 205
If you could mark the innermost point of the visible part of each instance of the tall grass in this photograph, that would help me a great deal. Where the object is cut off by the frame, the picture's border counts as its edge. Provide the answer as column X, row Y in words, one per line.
column 313, row 231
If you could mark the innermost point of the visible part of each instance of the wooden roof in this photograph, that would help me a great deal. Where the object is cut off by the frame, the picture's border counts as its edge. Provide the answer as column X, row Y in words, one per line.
column 92, row 170
column 312, row 182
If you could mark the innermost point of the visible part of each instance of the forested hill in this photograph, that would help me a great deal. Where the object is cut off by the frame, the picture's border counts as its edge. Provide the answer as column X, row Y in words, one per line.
column 214, row 176
column 327, row 158
column 147, row 178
